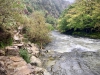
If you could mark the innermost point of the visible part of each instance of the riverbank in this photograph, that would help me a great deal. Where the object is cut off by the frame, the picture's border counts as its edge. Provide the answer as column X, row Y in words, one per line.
column 89, row 35
column 21, row 58
column 14, row 63
column 92, row 35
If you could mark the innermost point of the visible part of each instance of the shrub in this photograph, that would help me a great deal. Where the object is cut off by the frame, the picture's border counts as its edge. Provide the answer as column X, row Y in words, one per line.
column 50, row 27
column 37, row 29
column 24, row 54
column 29, row 9
column 5, row 38
column 51, row 20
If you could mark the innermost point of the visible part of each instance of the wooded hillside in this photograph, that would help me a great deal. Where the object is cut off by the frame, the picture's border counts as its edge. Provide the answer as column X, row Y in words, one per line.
column 81, row 18
column 35, row 16
column 49, row 7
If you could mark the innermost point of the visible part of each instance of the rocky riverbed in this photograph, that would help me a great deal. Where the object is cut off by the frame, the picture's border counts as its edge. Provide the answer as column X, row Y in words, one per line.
column 69, row 55
column 72, row 63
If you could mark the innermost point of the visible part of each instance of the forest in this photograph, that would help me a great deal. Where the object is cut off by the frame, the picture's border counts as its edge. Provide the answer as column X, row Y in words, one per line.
column 81, row 18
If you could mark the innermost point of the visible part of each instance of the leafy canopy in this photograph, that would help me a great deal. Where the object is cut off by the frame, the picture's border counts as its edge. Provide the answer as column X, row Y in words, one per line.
column 82, row 16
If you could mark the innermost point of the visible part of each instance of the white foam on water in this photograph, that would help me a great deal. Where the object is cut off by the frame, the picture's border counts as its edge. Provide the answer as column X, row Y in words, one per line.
column 65, row 43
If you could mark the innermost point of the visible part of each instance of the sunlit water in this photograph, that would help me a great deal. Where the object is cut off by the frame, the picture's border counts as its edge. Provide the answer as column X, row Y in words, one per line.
column 65, row 43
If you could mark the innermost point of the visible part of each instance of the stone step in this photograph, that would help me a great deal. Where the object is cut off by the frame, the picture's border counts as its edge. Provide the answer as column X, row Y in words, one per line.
column 19, row 45
column 12, row 50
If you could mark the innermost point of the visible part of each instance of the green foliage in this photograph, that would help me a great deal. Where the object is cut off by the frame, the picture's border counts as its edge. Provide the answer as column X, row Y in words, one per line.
column 50, row 27
column 24, row 54
column 62, row 25
column 82, row 16
column 8, row 9
column 91, row 35
column 5, row 42
column 12, row 15
column 51, row 20
column 37, row 30
column 29, row 9
column 9, row 12
column 5, row 38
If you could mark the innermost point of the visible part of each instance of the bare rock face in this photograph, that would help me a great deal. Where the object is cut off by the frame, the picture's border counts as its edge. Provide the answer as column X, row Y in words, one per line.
column 14, row 65
column 51, row 7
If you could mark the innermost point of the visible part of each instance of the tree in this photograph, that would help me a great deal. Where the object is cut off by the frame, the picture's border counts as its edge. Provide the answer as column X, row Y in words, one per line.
column 9, row 9
column 37, row 30
column 82, row 16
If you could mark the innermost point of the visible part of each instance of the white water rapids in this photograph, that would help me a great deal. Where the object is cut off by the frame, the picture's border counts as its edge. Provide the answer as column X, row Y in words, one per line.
column 66, row 43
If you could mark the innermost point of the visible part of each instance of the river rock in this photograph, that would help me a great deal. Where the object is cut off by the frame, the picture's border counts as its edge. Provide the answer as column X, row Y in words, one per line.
column 35, row 61
column 14, row 65
column 19, row 44
column 73, row 63
column 32, row 49
column 41, row 71
column 20, row 28
column 12, row 50
column 16, row 37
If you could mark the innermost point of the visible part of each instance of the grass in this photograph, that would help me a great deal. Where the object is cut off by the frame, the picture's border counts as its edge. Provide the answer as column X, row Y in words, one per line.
column 6, row 42
column 24, row 54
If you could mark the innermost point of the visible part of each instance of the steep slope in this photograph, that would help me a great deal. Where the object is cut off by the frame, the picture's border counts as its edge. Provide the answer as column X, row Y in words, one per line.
column 49, row 7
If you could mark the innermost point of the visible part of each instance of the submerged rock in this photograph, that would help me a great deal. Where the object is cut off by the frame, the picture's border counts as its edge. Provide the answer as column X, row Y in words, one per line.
column 72, row 63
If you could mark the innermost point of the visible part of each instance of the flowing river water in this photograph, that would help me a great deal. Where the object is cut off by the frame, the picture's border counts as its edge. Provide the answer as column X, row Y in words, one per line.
column 68, row 55
column 66, row 43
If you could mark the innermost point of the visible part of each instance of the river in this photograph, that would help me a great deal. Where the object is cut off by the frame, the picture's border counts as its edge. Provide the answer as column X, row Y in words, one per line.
column 69, row 55
column 66, row 43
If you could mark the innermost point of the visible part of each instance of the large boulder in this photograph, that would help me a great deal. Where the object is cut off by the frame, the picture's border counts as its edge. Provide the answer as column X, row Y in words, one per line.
column 12, row 50
column 35, row 61
column 19, row 45
column 14, row 65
